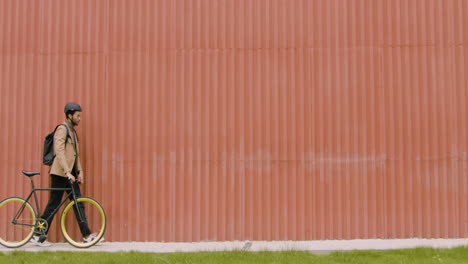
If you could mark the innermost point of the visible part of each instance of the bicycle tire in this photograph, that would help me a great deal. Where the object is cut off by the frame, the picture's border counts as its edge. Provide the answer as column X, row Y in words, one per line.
column 96, row 219
column 13, row 235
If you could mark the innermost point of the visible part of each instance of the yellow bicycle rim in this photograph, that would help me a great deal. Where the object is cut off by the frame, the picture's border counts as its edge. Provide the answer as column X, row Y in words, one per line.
column 16, row 235
column 101, row 219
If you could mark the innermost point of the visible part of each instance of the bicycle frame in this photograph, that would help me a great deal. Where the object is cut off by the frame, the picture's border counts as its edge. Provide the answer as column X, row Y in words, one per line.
column 33, row 193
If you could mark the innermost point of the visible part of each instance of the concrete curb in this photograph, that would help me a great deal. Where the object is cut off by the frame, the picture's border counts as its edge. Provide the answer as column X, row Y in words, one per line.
column 318, row 247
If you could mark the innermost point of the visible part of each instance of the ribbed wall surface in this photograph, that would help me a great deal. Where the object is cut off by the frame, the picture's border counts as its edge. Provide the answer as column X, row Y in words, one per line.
column 232, row 120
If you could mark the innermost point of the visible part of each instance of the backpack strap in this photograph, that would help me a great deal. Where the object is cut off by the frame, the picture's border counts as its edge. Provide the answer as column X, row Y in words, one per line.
column 68, row 135
column 68, row 132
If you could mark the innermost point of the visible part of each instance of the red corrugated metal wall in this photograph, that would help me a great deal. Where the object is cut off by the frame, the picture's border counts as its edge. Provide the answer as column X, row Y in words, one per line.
column 263, row 119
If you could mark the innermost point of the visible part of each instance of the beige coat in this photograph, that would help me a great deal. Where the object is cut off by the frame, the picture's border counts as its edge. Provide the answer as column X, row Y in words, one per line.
column 65, row 154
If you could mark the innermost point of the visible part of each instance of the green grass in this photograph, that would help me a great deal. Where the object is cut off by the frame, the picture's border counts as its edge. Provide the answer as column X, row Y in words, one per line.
column 418, row 255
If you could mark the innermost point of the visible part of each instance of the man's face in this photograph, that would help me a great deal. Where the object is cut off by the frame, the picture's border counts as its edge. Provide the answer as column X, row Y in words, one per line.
column 75, row 118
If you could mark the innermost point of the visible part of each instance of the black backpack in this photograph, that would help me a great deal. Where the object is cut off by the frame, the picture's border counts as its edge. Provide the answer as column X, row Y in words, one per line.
column 49, row 155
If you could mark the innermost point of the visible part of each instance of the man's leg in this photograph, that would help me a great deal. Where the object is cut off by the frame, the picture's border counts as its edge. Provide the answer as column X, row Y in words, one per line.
column 55, row 198
column 81, row 217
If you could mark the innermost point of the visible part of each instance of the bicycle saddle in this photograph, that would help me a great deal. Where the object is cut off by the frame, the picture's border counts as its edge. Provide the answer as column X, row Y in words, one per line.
column 30, row 173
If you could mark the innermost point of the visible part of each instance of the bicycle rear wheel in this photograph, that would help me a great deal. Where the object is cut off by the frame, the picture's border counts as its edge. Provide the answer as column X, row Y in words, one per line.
column 95, row 222
column 17, row 221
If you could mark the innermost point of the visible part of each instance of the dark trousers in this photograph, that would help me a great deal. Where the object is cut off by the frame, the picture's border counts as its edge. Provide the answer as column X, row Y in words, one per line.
column 56, row 198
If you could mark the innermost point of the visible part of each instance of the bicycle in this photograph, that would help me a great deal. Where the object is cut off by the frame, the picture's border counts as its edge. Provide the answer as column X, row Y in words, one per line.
column 19, row 221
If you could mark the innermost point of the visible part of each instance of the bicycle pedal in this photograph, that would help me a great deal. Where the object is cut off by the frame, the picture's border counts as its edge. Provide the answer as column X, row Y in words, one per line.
column 42, row 238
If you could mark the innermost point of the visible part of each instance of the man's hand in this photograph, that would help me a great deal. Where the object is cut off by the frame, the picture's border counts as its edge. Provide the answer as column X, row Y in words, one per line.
column 80, row 177
column 71, row 178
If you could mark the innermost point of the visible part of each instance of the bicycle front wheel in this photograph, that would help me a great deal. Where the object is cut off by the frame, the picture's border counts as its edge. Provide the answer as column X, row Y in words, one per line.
column 82, row 220
column 17, row 222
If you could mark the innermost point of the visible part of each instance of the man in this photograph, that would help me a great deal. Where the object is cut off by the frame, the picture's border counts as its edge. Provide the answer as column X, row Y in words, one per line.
column 66, row 170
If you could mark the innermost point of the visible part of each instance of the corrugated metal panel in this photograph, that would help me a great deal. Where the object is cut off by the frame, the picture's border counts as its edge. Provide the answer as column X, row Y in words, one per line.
column 230, row 120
